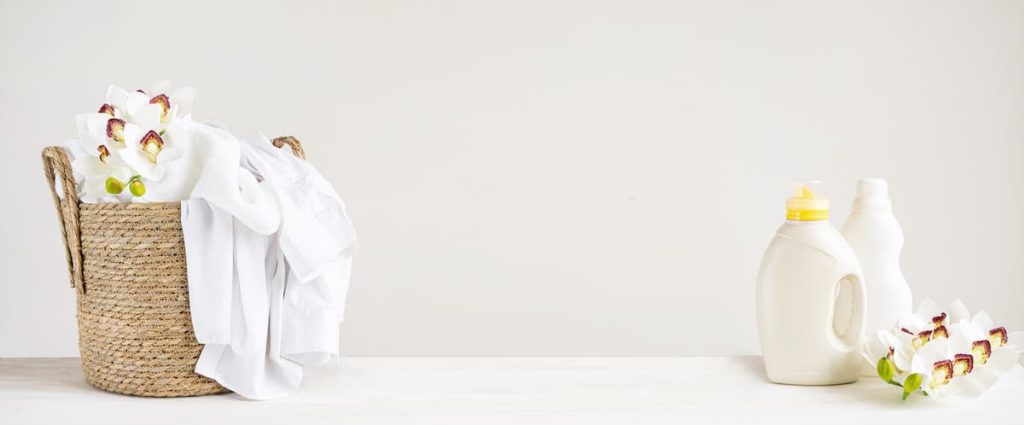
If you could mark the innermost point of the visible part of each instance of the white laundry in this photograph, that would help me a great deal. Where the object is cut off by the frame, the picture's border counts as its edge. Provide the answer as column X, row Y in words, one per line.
column 269, row 249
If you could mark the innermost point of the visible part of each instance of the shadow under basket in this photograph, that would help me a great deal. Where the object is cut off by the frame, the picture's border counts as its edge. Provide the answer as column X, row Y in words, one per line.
column 127, row 261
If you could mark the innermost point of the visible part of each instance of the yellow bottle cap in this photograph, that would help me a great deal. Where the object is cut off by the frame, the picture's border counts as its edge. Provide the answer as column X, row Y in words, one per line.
column 807, row 205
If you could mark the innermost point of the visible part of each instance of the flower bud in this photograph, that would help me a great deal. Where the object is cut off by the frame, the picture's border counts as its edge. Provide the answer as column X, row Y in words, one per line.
column 114, row 186
column 885, row 369
column 137, row 188
column 911, row 384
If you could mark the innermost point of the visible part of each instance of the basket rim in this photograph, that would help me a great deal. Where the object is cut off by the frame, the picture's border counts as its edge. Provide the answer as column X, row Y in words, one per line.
column 130, row 205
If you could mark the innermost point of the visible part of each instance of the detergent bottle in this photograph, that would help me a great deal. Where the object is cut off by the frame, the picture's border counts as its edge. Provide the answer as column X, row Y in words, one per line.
column 810, row 298
column 877, row 240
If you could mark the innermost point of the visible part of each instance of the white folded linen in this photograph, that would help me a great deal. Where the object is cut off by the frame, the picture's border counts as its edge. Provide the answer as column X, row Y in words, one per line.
column 269, row 249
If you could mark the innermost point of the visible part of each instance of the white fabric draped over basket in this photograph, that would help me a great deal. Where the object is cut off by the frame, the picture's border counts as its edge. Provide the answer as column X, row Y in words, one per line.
column 269, row 249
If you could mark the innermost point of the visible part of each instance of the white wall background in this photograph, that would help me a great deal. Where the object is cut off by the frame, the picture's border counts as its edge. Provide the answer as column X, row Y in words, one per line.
column 555, row 177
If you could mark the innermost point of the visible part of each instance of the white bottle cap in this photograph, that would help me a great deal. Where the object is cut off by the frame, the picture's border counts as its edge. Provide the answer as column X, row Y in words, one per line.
column 872, row 188
column 872, row 193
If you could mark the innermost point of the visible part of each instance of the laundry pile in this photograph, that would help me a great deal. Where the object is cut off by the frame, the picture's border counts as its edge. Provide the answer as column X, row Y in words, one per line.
column 269, row 251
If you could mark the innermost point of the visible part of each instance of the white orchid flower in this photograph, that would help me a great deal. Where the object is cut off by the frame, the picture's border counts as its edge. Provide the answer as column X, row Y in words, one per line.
column 148, row 150
column 101, row 137
column 980, row 326
column 894, row 345
column 947, row 370
column 110, row 109
column 101, row 129
column 169, row 105
column 944, row 352
column 105, row 175
column 130, row 140
column 928, row 317
column 992, row 345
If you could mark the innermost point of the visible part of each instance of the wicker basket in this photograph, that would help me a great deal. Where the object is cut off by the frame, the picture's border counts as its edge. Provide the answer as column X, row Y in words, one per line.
column 127, row 262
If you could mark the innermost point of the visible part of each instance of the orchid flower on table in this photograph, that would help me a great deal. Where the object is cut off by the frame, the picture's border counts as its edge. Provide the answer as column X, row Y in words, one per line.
column 944, row 352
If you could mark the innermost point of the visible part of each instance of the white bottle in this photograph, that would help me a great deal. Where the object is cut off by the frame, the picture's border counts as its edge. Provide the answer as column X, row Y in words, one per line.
column 810, row 299
column 876, row 238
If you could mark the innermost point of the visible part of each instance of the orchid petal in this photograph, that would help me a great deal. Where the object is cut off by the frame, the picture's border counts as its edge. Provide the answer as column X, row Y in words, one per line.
column 935, row 349
column 958, row 341
column 928, row 308
column 183, row 98
column 95, row 174
column 966, row 387
column 91, row 166
column 874, row 349
column 958, row 312
column 95, row 188
column 1016, row 338
column 135, row 101
column 1002, row 360
column 157, row 172
column 133, row 134
column 985, row 375
column 75, row 150
column 94, row 124
column 903, row 352
column 148, row 116
column 136, row 159
column 913, row 323
column 170, row 153
column 982, row 321
column 120, row 172
column 177, row 135
column 117, row 97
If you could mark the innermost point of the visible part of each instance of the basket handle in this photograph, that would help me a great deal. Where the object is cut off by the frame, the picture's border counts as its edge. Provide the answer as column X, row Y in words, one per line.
column 291, row 142
column 56, row 165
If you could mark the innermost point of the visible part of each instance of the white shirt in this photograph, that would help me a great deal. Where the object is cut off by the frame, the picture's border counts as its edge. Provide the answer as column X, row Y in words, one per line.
column 269, row 249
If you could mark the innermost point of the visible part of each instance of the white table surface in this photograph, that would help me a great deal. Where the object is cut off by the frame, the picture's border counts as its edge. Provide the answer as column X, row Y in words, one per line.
column 487, row 391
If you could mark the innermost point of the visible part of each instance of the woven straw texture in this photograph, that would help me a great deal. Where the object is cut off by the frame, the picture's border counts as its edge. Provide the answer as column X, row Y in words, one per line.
column 127, row 262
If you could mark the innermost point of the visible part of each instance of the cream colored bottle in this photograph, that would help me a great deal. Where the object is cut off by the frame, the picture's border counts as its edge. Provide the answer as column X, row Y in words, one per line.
column 877, row 240
column 810, row 298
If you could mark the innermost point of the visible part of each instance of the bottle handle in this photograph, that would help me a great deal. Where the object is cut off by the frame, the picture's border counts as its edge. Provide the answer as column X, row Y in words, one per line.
column 846, row 334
